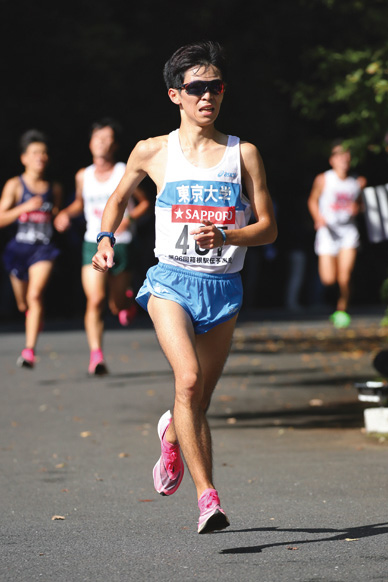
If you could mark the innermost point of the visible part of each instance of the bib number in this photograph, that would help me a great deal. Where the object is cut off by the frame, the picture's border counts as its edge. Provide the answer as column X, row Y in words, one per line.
column 183, row 243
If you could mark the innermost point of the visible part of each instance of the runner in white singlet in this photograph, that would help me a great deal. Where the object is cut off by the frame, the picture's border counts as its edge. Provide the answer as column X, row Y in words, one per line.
column 194, row 293
column 94, row 185
column 334, row 203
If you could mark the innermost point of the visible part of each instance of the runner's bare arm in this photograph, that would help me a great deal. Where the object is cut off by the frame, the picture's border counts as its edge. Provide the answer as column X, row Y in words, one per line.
column 142, row 206
column 10, row 209
column 313, row 201
column 63, row 219
column 359, row 204
column 58, row 198
column 263, row 231
column 145, row 159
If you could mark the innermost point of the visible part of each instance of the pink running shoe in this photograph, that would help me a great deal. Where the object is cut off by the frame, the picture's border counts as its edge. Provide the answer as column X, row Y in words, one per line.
column 97, row 366
column 26, row 359
column 126, row 316
column 212, row 517
column 168, row 471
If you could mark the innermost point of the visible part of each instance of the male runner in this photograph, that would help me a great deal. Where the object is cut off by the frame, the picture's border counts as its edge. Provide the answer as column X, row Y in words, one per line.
column 29, row 257
column 94, row 185
column 334, row 203
column 194, row 293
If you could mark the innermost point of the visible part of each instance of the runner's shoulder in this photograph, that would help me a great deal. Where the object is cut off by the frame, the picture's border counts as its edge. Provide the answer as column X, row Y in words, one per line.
column 151, row 147
column 249, row 150
column 14, row 183
column 13, row 188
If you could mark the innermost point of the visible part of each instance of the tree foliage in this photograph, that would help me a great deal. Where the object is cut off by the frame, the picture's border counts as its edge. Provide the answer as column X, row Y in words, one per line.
column 347, row 77
column 301, row 72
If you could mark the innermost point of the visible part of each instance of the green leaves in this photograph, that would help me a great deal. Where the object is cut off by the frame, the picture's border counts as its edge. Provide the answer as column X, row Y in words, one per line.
column 363, row 91
column 346, row 80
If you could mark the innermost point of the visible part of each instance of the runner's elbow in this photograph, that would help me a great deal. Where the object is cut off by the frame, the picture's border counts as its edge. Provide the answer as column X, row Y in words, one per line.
column 273, row 233
column 269, row 235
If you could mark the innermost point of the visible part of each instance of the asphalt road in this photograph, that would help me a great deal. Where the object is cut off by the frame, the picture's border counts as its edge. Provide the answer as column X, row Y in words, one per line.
column 303, row 485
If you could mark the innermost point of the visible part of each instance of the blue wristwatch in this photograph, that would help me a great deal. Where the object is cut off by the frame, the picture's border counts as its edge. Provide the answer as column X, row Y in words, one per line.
column 110, row 235
column 223, row 235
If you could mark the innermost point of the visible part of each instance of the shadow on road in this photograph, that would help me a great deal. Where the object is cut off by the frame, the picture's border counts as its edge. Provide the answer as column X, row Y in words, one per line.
column 334, row 415
column 346, row 534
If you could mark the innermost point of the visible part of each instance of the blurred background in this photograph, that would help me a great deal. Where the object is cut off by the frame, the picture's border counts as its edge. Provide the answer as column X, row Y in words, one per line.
column 301, row 73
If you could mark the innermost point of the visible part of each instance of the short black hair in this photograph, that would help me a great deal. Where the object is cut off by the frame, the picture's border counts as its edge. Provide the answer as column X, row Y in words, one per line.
column 337, row 142
column 202, row 53
column 108, row 122
column 32, row 136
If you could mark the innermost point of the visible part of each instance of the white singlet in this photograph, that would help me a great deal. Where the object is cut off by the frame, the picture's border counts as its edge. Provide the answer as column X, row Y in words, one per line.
column 337, row 197
column 95, row 195
column 335, row 205
column 189, row 196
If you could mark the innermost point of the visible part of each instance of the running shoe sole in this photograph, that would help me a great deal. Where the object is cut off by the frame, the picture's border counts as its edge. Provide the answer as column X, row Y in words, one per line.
column 23, row 363
column 99, row 370
column 215, row 522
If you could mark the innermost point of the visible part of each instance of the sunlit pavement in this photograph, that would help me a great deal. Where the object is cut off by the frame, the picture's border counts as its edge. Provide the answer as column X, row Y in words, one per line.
column 303, row 485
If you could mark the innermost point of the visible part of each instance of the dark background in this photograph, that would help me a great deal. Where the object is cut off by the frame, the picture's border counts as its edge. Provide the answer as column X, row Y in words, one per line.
column 65, row 65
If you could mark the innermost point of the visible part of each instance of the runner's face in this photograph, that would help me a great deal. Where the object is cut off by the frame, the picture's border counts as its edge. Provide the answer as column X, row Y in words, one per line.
column 203, row 109
column 102, row 143
column 35, row 157
column 340, row 159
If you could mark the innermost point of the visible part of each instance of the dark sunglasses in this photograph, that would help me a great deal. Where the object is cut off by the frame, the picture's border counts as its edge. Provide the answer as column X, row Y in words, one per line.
column 198, row 88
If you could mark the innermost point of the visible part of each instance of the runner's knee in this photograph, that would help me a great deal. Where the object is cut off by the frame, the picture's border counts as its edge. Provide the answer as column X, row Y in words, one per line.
column 22, row 306
column 189, row 389
column 327, row 280
column 95, row 302
column 113, row 307
column 34, row 296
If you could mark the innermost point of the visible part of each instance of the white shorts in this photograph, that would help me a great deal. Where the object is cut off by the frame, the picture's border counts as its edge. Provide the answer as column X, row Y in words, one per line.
column 329, row 240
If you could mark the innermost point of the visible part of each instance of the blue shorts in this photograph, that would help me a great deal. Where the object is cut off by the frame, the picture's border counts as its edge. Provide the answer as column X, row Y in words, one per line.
column 18, row 257
column 208, row 299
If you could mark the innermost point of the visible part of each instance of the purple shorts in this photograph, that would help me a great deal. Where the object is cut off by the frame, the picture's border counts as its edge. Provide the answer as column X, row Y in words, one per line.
column 18, row 257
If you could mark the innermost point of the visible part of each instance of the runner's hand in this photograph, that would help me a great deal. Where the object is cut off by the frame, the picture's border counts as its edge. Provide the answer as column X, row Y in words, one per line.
column 319, row 222
column 208, row 236
column 62, row 221
column 34, row 203
column 103, row 259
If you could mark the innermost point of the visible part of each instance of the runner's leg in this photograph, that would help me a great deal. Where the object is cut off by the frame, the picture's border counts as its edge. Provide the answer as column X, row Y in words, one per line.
column 193, row 390
column 38, row 277
column 213, row 349
column 118, row 286
column 346, row 262
column 19, row 288
column 327, row 268
column 94, row 285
